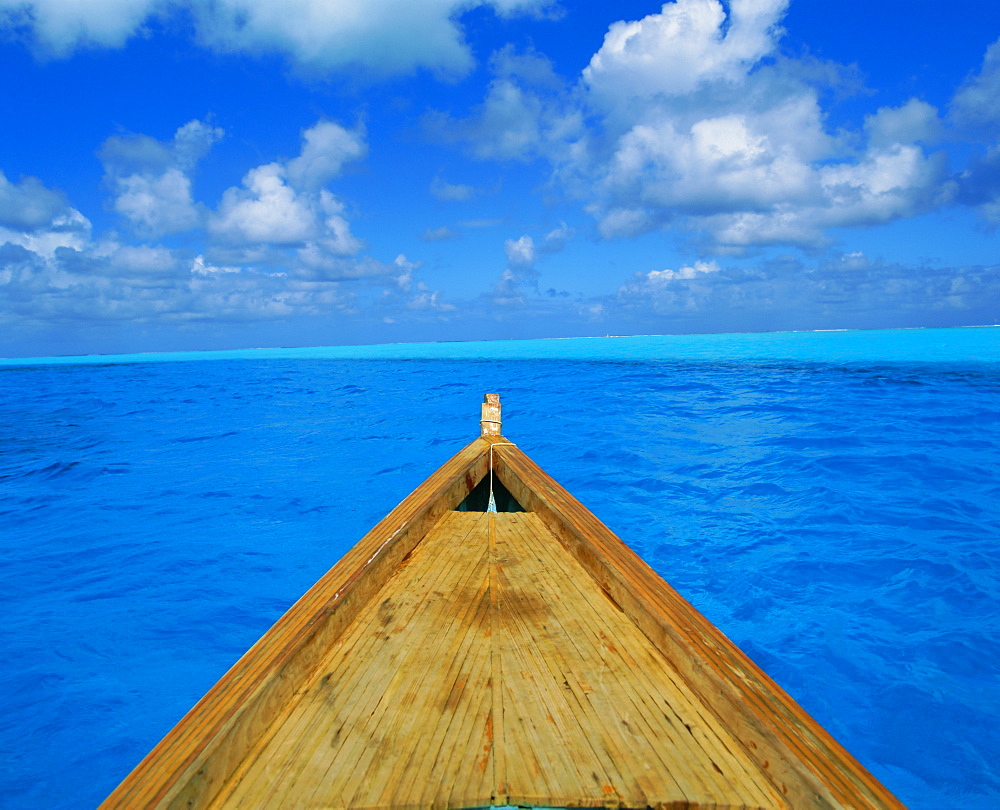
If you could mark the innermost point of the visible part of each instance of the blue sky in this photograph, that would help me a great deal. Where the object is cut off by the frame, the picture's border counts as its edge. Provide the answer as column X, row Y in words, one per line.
column 238, row 173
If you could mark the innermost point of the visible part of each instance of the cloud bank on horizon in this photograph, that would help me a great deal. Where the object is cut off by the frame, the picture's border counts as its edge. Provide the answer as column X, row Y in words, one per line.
column 310, row 172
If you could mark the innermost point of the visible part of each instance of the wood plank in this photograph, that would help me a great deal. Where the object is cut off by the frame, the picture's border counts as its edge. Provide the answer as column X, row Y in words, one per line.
column 573, row 753
column 498, row 725
column 641, row 764
column 802, row 759
column 462, row 659
column 398, row 696
column 193, row 762
column 304, row 733
column 488, row 607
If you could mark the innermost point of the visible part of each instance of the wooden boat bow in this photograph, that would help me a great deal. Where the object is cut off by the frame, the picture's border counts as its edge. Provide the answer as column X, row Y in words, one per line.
column 456, row 657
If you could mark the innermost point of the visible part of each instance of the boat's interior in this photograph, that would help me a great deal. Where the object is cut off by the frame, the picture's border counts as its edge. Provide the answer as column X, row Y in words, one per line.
column 490, row 488
column 460, row 657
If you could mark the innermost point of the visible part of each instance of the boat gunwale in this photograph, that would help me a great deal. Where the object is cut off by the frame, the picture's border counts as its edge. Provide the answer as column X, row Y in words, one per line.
column 193, row 761
column 773, row 728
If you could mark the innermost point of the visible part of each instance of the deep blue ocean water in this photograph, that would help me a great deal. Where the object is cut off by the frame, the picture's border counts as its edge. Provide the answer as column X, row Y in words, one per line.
column 831, row 503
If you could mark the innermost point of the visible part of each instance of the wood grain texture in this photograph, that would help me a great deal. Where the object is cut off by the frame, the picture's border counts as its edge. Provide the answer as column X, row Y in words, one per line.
column 800, row 757
column 203, row 751
column 462, row 659
column 402, row 712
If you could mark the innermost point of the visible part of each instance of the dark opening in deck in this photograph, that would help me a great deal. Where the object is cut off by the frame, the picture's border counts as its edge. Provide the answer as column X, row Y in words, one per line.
column 478, row 500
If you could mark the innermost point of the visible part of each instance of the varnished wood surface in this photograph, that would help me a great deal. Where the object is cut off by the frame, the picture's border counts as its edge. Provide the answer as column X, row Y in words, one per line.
column 803, row 760
column 198, row 756
column 492, row 669
column 510, row 664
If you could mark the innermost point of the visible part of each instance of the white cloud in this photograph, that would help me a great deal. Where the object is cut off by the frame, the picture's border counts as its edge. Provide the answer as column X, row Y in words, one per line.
column 843, row 291
column 520, row 252
column 60, row 26
column 688, row 272
column 520, row 271
column 405, row 268
column 914, row 121
column 265, row 209
column 282, row 205
column 976, row 106
column 202, row 268
column 887, row 183
column 157, row 205
column 741, row 160
column 407, row 293
column 383, row 37
column 556, row 239
column 152, row 179
column 527, row 112
column 691, row 118
column 39, row 219
column 123, row 155
column 429, row 301
column 28, row 205
column 327, row 146
column 509, row 124
column 275, row 250
column 141, row 262
column 110, row 281
column 662, row 291
column 689, row 43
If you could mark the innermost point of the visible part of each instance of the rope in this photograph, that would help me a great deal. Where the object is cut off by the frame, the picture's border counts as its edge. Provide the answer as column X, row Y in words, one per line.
column 492, row 505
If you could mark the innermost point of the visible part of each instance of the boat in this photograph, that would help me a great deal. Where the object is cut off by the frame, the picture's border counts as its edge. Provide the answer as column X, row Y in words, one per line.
column 491, row 643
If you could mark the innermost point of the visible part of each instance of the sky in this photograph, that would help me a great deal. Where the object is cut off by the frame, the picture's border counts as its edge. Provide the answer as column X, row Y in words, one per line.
column 217, row 174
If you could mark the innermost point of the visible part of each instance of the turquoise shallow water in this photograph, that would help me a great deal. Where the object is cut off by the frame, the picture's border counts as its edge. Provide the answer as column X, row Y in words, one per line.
column 838, row 518
column 980, row 343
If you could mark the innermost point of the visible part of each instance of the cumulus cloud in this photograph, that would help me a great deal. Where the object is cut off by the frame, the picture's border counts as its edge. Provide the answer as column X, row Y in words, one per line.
column 265, row 209
column 976, row 105
column 279, row 245
column 409, row 293
column 912, row 122
column 520, row 271
column 383, row 37
column 157, row 205
column 38, row 218
column 975, row 112
column 691, row 118
column 60, row 26
column 521, row 274
column 688, row 272
column 282, row 205
column 979, row 186
column 673, row 291
column 326, row 147
column 28, row 204
column 108, row 281
column 528, row 112
column 688, row 44
column 520, row 252
column 202, row 268
column 151, row 179
column 556, row 239
column 719, row 134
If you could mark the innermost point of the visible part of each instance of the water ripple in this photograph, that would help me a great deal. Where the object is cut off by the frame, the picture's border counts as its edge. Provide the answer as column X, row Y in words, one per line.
column 839, row 522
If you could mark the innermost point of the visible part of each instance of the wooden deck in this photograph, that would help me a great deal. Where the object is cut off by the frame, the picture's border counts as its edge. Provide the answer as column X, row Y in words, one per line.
column 461, row 659
column 492, row 669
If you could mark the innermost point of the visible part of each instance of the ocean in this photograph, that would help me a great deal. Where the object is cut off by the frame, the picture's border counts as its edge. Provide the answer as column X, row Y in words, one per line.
column 831, row 501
